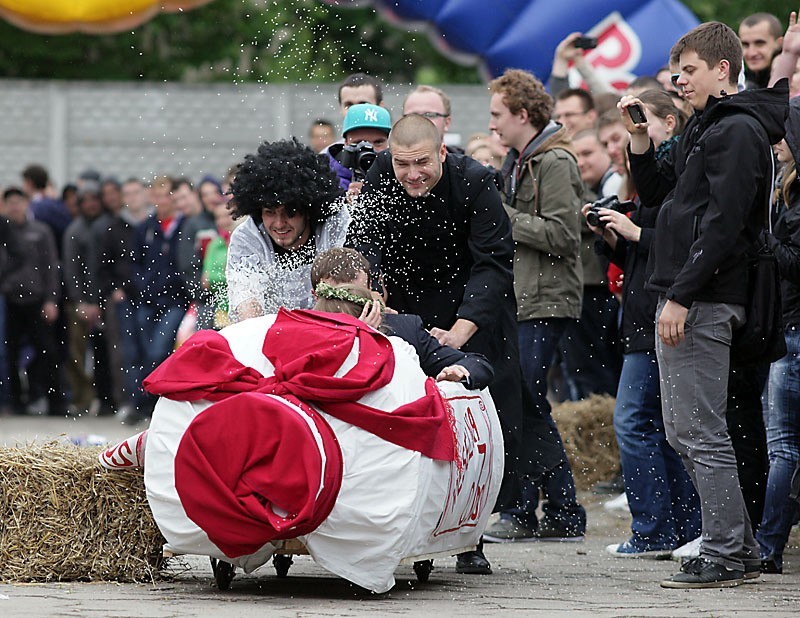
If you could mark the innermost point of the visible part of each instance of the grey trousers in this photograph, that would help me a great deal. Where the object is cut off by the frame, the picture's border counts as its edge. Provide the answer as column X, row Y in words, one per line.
column 694, row 389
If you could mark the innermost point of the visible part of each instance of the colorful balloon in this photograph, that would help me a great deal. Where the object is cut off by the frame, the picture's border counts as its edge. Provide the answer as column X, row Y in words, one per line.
column 90, row 16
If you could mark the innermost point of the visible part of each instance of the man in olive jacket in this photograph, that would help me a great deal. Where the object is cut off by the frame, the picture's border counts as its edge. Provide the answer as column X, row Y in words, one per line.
column 542, row 198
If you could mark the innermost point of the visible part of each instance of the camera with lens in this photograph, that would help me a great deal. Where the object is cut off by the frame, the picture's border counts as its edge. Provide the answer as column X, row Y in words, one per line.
column 358, row 158
column 612, row 203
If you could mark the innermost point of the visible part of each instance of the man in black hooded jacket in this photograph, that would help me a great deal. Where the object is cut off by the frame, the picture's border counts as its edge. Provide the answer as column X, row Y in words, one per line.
column 714, row 188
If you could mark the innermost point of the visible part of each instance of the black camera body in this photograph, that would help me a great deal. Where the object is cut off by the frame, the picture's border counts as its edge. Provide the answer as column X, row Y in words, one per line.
column 612, row 203
column 358, row 158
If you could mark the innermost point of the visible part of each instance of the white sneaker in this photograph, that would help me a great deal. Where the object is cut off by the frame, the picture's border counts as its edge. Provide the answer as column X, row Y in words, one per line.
column 127, row 454
column 688, row 551
column 620, row 503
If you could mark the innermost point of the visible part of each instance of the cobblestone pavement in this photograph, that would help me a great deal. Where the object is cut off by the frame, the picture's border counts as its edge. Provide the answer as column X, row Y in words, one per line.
column 530, row 579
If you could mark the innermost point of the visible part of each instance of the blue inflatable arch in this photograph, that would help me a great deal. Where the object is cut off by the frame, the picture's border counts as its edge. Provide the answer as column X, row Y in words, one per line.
column 635, row 36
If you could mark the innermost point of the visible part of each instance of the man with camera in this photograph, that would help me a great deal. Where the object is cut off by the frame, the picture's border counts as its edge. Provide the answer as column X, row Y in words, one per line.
column 366, row 133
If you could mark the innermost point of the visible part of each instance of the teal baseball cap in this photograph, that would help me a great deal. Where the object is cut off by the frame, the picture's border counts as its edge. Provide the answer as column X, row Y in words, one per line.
column 367, row 116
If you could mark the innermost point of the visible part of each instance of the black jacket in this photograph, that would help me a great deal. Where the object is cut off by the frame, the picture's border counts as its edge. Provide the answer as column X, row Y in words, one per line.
column 115, row 270
column 433, row 356
column 32, row 273
column 447, row 255
column 638, row 303
column 714, row 193
column 785, row 239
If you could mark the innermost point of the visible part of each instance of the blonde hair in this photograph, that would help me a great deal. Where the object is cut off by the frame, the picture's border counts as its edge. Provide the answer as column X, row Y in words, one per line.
column 789, row 178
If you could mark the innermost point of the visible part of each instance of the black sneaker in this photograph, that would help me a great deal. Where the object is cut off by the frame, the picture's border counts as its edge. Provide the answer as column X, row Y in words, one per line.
column 615, row 485
column 547, row 531
column 768, row 565
column 473, row 563
column 702, row 573
column 752, row 570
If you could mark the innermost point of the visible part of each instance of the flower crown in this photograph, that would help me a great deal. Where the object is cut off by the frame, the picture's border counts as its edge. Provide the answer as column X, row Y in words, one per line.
column 323, row 290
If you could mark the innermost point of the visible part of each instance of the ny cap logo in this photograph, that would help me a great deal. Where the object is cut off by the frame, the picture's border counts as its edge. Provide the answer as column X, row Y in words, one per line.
column 371, row 115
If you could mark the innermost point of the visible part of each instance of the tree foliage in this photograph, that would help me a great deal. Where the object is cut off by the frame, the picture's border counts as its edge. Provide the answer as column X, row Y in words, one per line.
column 266, row 41
column 247, row 40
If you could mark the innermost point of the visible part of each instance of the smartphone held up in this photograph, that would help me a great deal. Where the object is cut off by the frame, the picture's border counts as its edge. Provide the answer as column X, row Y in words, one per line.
column 636, row 112
column 585, row 42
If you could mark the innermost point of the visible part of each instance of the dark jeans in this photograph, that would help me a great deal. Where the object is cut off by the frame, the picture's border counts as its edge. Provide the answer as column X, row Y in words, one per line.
column 783, row 444
column 156, row 329
column 664, row 506
column 5, row 388
column 591, row 357
column 24, row 322
column 131, row 353
column 745, row 419
column 538, row 340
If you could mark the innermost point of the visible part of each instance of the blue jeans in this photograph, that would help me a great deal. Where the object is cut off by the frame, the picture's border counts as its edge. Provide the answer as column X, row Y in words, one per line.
column 591, row 361
column 132, row 356
column 156, row 330
column 663, row 502
column 782, row 418
column 538, row 341
column 5, row 390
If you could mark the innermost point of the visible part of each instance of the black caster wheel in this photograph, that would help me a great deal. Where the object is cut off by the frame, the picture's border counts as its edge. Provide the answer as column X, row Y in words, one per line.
column 281, row 564
column 223, row 573
column 423, row 569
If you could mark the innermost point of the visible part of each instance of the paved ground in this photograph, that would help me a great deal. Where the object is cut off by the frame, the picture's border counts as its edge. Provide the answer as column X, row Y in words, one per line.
column 530, row 579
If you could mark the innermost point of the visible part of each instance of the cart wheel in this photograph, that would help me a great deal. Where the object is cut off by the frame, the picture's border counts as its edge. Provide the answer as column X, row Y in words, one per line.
column 223, row 573
column 281, row 564
column 423, row 569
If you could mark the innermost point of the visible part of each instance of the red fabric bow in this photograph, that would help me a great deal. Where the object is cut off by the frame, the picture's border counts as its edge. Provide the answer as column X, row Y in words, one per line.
column 307, row 348
column 250, row 470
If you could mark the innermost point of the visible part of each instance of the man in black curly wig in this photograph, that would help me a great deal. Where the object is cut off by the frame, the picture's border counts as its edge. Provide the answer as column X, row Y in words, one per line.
column 290, row 200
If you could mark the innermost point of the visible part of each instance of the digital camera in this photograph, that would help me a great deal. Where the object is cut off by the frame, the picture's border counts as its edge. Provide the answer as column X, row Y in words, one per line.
column 357, row 158
column 612, row 203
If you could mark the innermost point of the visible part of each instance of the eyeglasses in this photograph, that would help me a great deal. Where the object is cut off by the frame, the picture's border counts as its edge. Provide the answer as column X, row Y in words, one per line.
column 428, row 115
column 558, row 117
column 674, row 79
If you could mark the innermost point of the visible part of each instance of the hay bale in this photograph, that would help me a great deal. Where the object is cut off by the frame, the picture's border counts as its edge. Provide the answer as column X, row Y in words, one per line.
column 587, row 430
column 64, row 518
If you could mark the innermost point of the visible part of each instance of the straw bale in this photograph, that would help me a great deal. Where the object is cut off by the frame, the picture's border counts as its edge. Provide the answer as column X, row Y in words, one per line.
column 64, row 518
column 587, row 430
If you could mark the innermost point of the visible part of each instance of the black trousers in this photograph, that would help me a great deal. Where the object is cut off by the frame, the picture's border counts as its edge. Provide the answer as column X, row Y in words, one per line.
column 749, row 437
column 24, row 323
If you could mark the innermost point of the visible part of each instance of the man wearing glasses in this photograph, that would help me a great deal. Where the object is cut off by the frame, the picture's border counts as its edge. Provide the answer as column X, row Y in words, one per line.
column 433, row 104
column 575, row 110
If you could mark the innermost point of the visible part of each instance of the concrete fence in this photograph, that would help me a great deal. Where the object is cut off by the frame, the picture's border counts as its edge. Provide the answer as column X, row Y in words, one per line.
column 143, row 129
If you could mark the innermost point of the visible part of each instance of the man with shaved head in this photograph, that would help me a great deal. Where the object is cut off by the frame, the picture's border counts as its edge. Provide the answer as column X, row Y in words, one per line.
column 446, row 254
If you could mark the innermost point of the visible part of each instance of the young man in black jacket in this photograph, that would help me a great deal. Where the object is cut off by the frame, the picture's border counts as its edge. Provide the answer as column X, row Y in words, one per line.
column 437, row 223
column 714, row 189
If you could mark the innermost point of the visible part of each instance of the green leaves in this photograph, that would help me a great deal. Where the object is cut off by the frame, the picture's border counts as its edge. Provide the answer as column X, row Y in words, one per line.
column 236, row 40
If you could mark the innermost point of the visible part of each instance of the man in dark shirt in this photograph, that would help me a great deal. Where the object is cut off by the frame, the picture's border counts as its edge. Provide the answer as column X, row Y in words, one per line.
column 446, row 253
column 31, row 284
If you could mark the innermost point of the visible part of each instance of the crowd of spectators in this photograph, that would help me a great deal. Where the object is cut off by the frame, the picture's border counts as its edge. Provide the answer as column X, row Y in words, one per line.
column 101, row 280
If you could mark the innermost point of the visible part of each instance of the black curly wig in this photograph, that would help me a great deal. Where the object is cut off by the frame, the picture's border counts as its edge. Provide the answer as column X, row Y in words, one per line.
column 285, row 173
